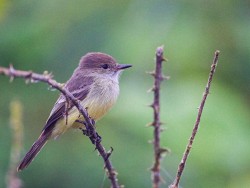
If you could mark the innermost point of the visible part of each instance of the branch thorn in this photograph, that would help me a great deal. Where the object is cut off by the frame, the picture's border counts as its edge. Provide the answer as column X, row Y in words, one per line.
column 149, row 124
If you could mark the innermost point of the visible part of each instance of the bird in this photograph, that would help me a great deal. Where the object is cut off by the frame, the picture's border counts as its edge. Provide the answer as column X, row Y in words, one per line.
column 95, row 83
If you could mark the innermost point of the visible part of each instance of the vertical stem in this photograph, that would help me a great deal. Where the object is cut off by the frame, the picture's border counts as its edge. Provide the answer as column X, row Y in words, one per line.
column 156, row 177
column 182, row 164
column 12, row 179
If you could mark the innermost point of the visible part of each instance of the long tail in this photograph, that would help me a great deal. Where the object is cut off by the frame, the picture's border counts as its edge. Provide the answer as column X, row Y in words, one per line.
column 34, row 150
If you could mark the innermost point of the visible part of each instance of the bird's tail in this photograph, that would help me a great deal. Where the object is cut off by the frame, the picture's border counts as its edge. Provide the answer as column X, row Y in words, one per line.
column 34, row 150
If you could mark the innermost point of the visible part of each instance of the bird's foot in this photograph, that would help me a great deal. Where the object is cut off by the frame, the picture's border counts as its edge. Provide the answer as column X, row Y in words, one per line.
column 90, row 132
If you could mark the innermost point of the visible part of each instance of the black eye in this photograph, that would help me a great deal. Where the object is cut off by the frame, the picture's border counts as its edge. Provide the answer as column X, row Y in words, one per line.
column 105, row 66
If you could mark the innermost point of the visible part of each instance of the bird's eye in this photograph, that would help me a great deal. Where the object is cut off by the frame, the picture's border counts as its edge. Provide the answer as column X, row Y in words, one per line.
column 105, row 66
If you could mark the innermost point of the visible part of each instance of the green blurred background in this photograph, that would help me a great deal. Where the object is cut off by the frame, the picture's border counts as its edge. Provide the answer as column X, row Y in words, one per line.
column 53, row 35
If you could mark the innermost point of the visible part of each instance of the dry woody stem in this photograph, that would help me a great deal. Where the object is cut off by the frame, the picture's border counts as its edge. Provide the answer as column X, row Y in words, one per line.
column 182, row 164
column 158, row 151
column 94, row 137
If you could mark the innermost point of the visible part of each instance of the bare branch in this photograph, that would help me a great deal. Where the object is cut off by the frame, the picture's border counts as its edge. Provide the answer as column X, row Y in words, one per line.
column 182, row 164
column 94, row 137
column 158, row 151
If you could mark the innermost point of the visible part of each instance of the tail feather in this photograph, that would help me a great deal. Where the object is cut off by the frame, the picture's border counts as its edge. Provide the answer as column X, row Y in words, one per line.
column 34, row 150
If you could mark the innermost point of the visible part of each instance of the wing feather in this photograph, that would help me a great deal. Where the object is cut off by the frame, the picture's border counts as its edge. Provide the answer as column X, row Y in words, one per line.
column 79, row 86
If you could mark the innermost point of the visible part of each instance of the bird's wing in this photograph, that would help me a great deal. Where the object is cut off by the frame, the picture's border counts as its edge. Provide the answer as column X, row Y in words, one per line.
column 79, row 88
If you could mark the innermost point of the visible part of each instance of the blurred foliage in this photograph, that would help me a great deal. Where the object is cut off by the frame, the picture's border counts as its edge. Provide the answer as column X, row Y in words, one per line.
column 53, row 35
column 16, row 111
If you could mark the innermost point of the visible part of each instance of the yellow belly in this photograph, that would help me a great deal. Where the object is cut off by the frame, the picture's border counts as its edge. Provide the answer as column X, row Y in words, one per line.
column 98, row 103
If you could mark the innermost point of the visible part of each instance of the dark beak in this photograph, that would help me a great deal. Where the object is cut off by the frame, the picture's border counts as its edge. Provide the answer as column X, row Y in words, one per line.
column 123, row 66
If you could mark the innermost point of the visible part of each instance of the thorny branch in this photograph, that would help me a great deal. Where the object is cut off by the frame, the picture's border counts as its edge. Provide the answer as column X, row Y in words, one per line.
column 94, row 137
column 158, row 151
column 182, row 164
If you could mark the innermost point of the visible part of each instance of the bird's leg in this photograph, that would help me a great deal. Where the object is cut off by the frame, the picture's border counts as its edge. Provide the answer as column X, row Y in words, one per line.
column 92, row 122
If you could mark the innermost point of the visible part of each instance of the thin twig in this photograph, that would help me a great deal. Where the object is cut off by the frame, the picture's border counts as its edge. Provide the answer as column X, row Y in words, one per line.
column 182, row 164
column 158, row 151
column 94, row 137
column 16, row 125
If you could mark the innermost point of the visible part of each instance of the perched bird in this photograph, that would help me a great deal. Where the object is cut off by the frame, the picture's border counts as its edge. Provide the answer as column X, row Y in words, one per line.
column 95, row 83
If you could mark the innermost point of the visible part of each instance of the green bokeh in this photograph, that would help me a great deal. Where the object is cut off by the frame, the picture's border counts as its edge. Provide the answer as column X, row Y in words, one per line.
column 53, row 35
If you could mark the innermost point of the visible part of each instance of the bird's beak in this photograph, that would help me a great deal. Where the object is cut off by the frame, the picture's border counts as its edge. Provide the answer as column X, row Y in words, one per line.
column 123, row 66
